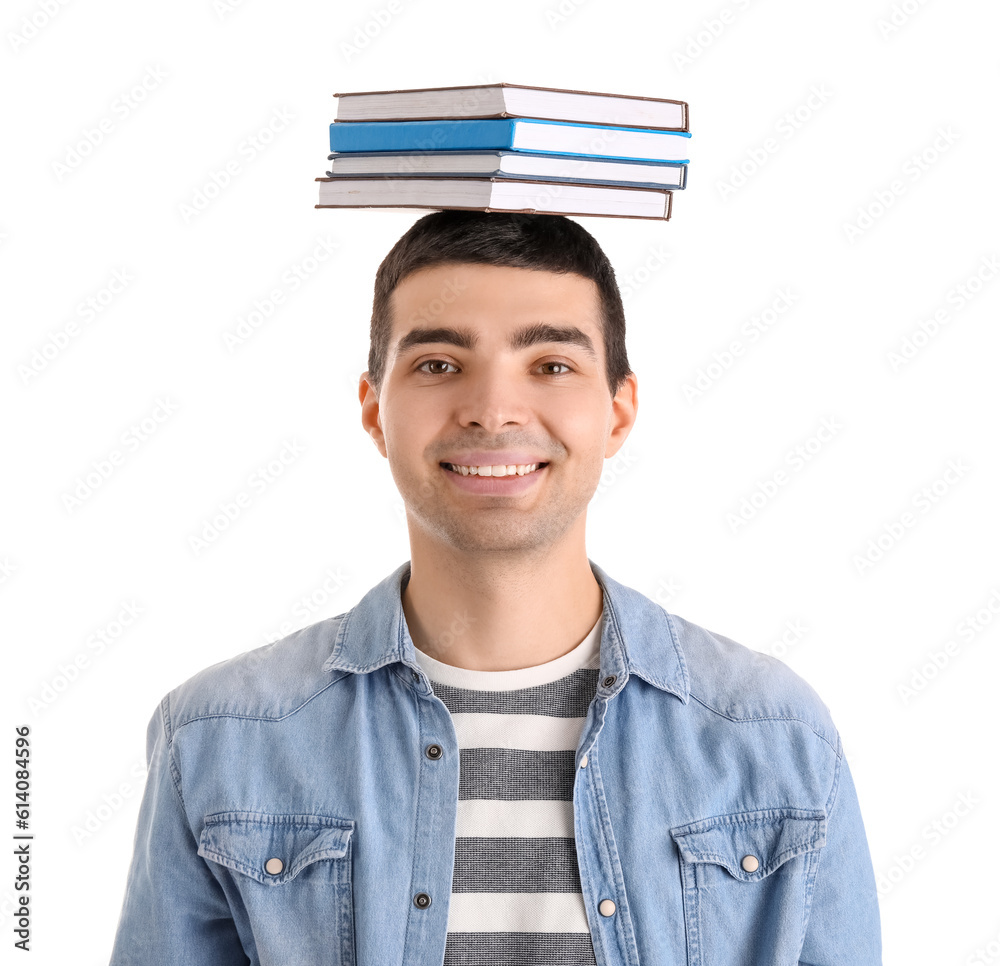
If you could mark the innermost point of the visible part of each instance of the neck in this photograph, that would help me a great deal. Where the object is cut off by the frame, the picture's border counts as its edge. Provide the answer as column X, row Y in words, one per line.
column 500, row 611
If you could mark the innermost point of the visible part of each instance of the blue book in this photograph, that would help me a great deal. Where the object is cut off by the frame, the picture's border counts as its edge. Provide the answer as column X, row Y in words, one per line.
column 517, row 134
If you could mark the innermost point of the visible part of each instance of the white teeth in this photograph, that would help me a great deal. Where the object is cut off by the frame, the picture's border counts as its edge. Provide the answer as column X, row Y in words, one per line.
column 519, row 469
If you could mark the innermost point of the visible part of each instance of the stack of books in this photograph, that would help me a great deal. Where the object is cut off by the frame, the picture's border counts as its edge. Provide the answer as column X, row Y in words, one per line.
column 507, row 147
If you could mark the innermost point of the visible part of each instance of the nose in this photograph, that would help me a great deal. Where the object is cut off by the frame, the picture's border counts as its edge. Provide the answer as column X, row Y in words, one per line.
column 492, row 400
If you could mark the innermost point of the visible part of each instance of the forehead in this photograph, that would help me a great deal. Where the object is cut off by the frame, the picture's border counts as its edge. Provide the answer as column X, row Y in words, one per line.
column 489, row 302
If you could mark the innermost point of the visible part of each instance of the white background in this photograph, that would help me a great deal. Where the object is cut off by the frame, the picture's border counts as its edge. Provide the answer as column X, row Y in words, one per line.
column 870, row 103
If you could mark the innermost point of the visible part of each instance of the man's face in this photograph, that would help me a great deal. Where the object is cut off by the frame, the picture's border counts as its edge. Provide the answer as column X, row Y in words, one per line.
column 491, row 366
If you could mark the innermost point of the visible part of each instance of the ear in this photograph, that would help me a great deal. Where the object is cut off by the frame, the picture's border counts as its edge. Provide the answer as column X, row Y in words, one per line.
column 624, row 408
column 370, row 417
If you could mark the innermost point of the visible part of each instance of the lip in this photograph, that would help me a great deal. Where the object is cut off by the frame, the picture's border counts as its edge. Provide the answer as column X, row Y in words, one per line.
column 495, row 458
column 495, row 485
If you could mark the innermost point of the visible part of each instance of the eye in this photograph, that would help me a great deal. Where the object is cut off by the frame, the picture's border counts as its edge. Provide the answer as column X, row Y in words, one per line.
column 432, row 362
column 563, row 364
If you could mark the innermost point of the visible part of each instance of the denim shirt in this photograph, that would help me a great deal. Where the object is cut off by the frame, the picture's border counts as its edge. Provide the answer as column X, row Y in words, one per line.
column 300, row 807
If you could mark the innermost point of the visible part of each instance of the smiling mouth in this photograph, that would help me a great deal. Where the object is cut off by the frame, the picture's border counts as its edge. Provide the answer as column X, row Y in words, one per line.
column 496, row 472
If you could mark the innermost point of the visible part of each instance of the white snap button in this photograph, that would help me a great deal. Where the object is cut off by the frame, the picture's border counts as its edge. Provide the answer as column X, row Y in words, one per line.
column 273, row 866
column 583, row 762
column 606, row 908
column 750, row 863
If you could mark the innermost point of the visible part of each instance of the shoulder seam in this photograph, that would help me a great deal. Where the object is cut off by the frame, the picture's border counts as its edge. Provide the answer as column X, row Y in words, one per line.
column 168, row 731
column 835, row 787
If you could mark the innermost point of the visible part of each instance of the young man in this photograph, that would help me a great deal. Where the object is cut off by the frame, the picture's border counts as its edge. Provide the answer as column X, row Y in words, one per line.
column 500, row 755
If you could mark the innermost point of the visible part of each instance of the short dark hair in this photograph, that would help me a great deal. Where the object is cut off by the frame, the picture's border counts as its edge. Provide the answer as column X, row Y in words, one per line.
column 551, row 243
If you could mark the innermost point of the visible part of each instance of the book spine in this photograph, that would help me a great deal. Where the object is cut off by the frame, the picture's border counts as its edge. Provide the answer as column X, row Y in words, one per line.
column 361, row 136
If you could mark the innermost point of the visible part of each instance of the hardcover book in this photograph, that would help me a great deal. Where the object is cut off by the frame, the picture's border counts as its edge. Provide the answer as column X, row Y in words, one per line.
column 519, row 134
column 513, row 100
column 509, row 164
column 494, row 194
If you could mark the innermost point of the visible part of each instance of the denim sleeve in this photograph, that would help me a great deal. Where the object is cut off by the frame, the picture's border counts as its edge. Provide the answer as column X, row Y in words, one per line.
column 174, row 910
column 844, row 927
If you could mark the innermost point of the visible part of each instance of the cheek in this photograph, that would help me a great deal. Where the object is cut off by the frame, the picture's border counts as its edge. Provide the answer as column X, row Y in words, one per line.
column 407, row 425
column 582, row 424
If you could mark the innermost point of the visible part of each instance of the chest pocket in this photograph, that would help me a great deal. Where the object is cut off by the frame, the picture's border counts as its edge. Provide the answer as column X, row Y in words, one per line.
column 288, row 878
column 746, row 879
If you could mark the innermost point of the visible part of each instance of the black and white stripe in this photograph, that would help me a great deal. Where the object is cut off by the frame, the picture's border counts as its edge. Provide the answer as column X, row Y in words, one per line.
column 516, row 896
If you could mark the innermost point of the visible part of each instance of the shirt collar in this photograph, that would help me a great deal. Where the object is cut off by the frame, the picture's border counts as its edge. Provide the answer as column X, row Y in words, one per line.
column 637, row 636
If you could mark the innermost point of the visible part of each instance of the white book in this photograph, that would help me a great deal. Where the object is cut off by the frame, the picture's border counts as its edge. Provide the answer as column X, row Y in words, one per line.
column 513, row 100
column 489, row 194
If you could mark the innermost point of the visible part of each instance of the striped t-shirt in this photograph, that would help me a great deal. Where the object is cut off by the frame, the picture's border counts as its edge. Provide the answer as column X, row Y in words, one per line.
column 515, row 894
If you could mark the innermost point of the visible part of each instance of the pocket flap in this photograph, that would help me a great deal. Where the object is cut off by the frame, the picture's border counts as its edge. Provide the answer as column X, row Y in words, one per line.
column 250, row 842
column 751, row 845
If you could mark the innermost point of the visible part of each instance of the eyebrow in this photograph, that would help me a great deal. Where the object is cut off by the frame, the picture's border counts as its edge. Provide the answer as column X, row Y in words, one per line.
column 527, row 336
